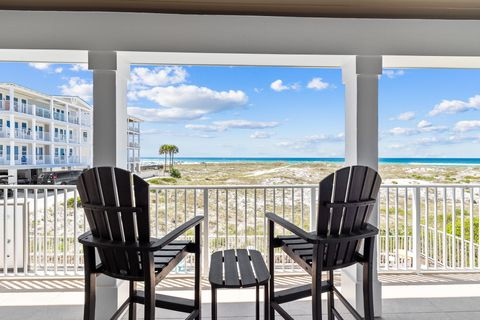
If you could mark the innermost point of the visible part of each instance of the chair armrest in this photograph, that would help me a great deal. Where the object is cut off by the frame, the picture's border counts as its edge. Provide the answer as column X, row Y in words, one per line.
column 153, row 245
column 292, row 228
column 172, row 235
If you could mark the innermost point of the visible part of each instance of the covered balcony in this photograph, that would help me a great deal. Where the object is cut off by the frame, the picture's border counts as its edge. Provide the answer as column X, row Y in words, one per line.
column 427, row 257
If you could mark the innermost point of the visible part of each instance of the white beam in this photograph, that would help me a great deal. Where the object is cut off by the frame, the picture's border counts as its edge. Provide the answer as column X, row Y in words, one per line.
column 360, row 76
column 149, row 32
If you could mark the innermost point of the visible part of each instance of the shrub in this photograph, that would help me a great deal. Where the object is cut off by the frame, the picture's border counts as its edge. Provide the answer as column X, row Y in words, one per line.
column 71, row 201
column 175, row 173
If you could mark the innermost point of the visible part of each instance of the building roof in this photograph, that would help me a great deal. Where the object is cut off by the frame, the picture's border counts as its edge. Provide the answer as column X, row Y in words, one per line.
column 421, row 9
column 68, row 99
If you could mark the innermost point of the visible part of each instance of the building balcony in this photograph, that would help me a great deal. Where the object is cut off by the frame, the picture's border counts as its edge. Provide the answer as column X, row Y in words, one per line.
column 25, row 134
column 73, row 120
column 133, row 145
column 43, row 135
column 73, row 140
column 58, row 116
column 60, row 138
column 133, row 128
column 23, row 108
column 43, row 112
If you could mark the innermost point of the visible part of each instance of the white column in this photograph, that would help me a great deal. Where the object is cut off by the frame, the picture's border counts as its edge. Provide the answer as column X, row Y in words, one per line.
column 110, row 76
column 360, row 77
column 34, row 139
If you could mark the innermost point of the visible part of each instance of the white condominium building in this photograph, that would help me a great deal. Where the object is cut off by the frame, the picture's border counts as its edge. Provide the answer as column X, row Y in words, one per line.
column 133, row 160
column 41, row 131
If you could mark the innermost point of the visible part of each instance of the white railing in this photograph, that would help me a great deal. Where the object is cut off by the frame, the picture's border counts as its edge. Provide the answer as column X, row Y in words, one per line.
column 432, row 227
column 23, row 134
column 43, row 112
column 60, row 137
column 418, row 222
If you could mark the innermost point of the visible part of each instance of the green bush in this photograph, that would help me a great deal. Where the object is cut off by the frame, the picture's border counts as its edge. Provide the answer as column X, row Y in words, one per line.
column 466, row 224
column 71, row 201
column 162, row 181
column 175, row 173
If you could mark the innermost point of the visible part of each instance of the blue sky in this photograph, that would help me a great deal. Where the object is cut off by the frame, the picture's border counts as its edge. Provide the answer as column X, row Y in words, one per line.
column 280, row 111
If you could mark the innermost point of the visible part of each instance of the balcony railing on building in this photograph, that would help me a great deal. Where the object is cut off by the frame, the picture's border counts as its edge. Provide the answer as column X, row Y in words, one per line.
column 73, row 119
column 23, row 108
column 60, row 138
column 43, row 135
column 72, row 139
column 21, row 133
column 58, row 116
column 134, row 128
column 43, row 112
column 133, row 144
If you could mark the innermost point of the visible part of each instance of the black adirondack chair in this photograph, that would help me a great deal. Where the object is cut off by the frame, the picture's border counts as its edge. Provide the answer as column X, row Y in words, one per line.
column 116, row 204
column 343, row 237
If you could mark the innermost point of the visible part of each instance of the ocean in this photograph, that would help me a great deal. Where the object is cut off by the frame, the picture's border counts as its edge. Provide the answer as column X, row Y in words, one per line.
column 404, row 161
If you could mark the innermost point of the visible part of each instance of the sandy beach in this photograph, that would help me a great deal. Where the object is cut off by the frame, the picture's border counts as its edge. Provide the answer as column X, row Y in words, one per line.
column 268, row 173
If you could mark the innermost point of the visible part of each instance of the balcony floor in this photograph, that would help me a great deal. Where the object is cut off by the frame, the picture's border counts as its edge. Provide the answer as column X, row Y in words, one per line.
column 434, row 296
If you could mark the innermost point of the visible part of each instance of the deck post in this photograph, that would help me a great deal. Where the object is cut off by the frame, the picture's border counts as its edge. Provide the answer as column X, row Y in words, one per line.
column 360, row 76
column 110, row 76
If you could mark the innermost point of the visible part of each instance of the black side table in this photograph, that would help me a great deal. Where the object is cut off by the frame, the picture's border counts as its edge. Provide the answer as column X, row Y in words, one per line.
column 224, row 267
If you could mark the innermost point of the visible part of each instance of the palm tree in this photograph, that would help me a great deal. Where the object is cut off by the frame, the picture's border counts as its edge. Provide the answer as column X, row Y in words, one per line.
column 173, row 150
column 164, row 149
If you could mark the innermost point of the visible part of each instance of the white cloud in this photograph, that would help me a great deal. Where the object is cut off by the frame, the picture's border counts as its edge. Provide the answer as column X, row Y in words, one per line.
column 220, row 126
column 456, row 106
column 260, row 135
column 159, row 76
column 467, row 125
column 58, row 70
column 452, row 139
column 278, row 86
column 318, row 84
column 309, row 142
column 257, row 90
column 424, row 124
column 391, row 73
column 409, row 115
column 78, row 87
column 422, row 127
column 186, row 102
column 79, row 67
column 40, row 65
column 399, row 131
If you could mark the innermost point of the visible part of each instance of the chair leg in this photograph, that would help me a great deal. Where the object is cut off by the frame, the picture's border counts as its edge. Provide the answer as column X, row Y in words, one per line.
column 90, row 283
column 317, row 264
column 214, row 303
column 368, row 280
column 90, row 293
column 330, row 296
column 198, row 295
column 257, row 302
column 132, row 307
column 149, row 268
column 266, row 304
column 271, row 266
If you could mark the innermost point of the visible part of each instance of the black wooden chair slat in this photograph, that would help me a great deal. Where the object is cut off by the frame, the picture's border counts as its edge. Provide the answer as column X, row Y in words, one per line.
column 116, row 205
column 244, row 265
column 232, row 278
column 259, row 266
column 345, row 203
column 216, row 269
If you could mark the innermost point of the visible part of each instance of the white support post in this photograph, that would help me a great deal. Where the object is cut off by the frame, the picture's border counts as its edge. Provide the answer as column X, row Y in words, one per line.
column 110, row 75
column 360, row 77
